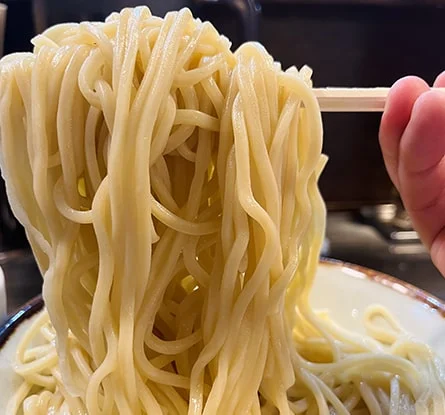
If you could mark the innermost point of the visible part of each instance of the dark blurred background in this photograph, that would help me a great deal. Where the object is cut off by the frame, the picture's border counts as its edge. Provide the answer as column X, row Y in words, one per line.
column 347, row 43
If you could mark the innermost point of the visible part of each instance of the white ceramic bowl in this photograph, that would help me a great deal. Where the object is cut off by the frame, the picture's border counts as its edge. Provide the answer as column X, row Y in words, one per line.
column 345, row 289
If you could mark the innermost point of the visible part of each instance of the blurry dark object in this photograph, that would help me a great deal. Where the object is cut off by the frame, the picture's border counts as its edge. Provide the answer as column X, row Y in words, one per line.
column 347, row 43
column 19, row 26
column 12, row 234
column 247, row 12
column 22, row 277
column 355, row 45
column 392, row 222
column 18, row 33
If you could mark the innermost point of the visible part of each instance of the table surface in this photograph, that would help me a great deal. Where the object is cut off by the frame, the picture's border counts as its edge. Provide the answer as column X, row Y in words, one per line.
column 349, row 241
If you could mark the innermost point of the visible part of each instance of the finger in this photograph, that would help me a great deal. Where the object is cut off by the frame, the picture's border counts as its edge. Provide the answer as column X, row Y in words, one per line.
column 399, row 104
column 421, row 170
column 440, row 81
column 422, row 145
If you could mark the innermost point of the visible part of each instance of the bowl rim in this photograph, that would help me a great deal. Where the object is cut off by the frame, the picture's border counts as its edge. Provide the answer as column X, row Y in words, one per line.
column 17, row 317
column 36, row 304
column 395, row 284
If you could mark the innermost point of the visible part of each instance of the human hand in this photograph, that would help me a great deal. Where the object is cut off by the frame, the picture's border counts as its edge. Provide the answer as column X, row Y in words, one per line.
column 412, row 139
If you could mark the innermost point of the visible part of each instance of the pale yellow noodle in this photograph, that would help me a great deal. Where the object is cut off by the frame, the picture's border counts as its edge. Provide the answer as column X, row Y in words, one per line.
column 168, row 188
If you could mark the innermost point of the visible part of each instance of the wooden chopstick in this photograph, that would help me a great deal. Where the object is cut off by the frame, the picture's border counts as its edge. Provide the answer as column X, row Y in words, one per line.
column 353, row 99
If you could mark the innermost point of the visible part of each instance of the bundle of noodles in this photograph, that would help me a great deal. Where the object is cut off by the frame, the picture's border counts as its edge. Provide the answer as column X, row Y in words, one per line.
column 168, row 188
